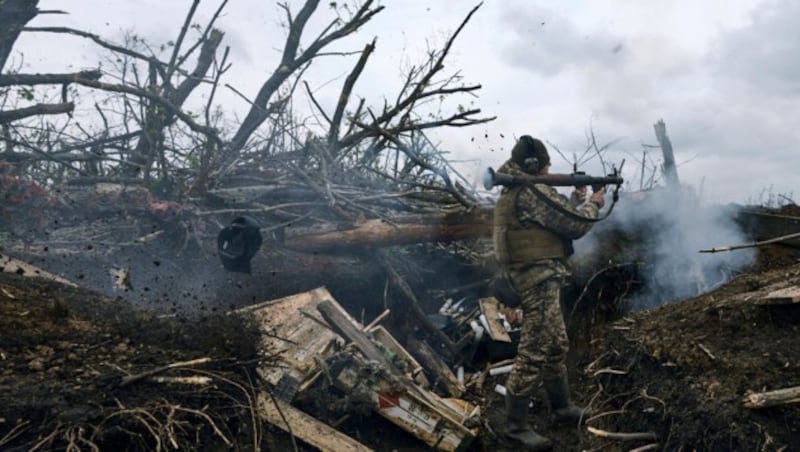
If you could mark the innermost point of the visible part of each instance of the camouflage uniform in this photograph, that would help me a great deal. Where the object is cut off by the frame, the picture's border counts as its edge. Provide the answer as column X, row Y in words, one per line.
column 537, row 271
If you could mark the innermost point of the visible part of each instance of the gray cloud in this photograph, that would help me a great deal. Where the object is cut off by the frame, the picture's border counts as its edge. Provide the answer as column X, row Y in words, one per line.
column 545, row 42
column 764, row 53
column 730, row 104
column 730, row 108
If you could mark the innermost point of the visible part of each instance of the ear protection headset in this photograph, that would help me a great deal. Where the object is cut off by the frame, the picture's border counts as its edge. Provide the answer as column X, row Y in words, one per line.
column 531, row 165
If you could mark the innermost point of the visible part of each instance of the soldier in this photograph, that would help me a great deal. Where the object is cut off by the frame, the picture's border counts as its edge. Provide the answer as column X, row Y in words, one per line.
column 534, row 227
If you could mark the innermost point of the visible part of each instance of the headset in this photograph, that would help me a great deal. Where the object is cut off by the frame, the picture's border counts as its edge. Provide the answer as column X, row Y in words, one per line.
column 531, row 165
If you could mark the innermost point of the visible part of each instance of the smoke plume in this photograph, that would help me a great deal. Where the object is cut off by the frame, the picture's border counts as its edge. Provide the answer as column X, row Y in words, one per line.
column 661, row 232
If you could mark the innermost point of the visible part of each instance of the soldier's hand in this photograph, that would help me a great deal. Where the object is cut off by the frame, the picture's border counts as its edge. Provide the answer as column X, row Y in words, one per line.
column 578, row 195
column 598, row 198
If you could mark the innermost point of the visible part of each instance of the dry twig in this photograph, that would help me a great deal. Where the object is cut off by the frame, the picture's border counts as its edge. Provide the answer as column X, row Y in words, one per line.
column 621, row 436
column 646, row 447
column 752, row 245
column 134, row 378
column 14, row 432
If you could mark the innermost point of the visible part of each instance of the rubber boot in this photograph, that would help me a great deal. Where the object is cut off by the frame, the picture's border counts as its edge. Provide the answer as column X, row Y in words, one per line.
column 563, row 409
column 517, row 428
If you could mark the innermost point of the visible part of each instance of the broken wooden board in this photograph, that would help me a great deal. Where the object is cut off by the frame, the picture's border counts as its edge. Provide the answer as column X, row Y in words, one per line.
column 301, row 425
column 294, row 333
column 787, row 295
column 353, row 332
column 436, row 367
column 437, row 422
column 298, row 332
column 490, row 308
column 413, row 368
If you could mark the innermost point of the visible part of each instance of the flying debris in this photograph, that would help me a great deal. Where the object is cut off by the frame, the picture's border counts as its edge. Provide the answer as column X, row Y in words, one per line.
column 238, row 243
column 121, row 278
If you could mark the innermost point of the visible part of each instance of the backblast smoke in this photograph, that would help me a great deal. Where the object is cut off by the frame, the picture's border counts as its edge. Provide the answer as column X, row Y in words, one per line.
column 662, row 231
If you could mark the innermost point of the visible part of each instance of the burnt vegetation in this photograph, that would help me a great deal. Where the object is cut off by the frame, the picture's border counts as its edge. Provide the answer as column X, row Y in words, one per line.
column 119, row 178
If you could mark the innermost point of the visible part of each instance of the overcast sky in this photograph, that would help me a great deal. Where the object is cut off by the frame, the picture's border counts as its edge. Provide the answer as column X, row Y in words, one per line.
column 723, row 74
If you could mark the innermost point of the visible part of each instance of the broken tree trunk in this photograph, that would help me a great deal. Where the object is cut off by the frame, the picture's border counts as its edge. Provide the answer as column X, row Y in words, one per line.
column 771, row 398
column 14, row 14
column 670, row 170
column 397, row 231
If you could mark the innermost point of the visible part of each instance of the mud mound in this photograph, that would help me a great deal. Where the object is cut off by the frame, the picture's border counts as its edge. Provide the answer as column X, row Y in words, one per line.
column 681, row 371
column 75, row 374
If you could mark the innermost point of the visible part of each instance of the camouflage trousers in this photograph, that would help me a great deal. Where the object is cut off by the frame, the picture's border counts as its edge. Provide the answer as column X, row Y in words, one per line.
column 543, row 346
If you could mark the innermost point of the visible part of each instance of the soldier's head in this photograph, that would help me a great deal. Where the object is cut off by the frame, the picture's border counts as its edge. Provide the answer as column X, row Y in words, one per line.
column 530, row 154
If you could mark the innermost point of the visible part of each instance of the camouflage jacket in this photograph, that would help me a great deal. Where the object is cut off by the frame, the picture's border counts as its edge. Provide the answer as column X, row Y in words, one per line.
column 533, row 210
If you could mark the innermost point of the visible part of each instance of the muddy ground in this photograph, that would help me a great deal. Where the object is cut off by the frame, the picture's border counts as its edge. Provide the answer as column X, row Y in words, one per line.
column 677, row 373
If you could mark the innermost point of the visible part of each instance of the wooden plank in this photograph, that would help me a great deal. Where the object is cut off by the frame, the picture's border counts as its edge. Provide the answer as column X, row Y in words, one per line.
column 10, row 265
column 305, row 427
column 353, row 333
column 294, row 331
column 771, row 398
column 436, row 367
column 490, row 308
column 414, row 369
column 788, row 295
column 377, row 320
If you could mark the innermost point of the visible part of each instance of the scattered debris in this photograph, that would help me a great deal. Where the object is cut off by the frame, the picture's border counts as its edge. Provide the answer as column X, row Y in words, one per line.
column 771, row 398
column 121, row 278
column 9, row 264
column 134, row 378
column 621, row 436
column 313, row 336
column 788, row 295
column 299, row 424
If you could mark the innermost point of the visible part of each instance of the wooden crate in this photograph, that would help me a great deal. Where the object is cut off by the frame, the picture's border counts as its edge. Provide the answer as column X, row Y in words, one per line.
column 299, row 339
column 294, row 333
column 436, row 421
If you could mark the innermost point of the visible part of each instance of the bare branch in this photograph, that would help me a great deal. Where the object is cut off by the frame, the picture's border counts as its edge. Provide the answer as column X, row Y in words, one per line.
column 100, row 41
column 38, row 109
column 290, row 62
column 204, row 61
column 47, row 79
column 176, row 49
column 46, row 155
column 314, row 101
column 417, row 87
column 207, row 131
column 347, row 89
column 203, row 37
